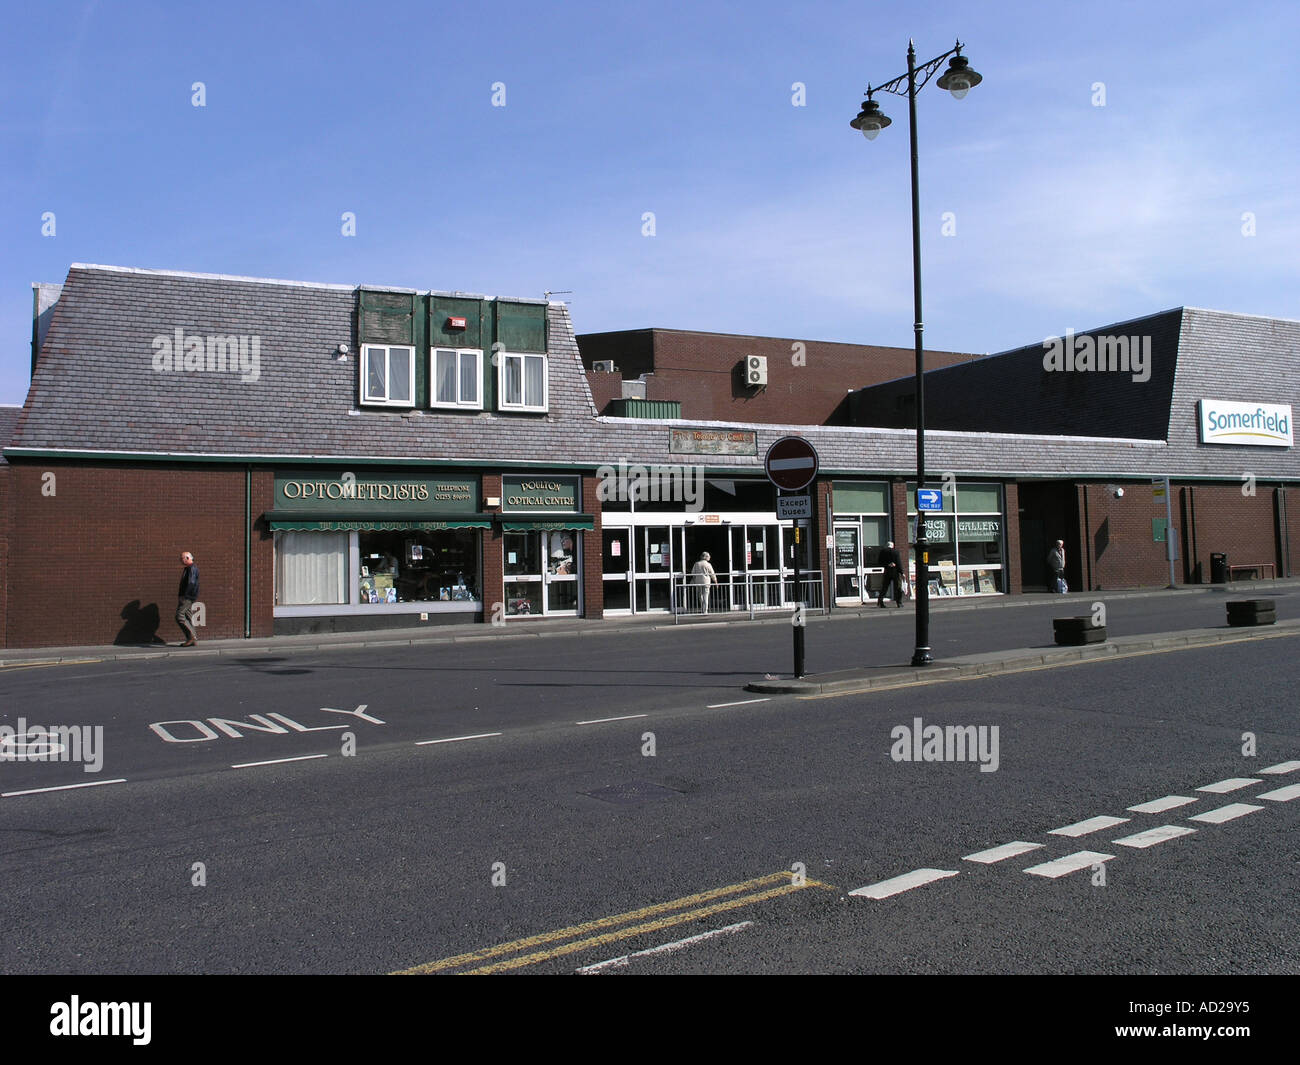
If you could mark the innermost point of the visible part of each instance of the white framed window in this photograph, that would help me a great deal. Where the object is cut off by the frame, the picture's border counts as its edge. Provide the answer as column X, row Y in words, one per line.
column 456, row 378
column 521, row 383
column 388, row 375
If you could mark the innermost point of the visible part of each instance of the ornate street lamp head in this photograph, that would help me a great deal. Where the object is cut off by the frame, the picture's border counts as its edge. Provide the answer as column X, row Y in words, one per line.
column 959, row 79
column 871, row 120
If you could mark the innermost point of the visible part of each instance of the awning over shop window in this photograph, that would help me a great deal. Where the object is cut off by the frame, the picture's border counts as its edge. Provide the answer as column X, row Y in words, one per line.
column 378, row 523
column 548, row 522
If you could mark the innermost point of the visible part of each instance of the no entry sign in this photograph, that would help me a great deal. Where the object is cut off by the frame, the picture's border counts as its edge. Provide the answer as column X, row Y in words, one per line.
column 791, row 463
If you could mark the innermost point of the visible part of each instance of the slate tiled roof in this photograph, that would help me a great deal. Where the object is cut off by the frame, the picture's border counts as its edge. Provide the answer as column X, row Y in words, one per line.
column 95, row 390
column 8, row 422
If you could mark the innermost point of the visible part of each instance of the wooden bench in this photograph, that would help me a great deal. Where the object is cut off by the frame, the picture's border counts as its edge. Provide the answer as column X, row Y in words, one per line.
column 1255, row 568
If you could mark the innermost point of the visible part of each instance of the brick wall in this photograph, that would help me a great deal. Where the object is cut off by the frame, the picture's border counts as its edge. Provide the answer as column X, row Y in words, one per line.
column 4, row 549
column 1011, row 524
column 593, row 587
column 493, row 558
column 1245, row 527
column 604, row 388
column 97, row 562
column 699, row 370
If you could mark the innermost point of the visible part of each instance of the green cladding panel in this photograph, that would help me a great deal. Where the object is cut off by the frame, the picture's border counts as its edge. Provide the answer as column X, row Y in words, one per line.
column 441, row 308
column 659, row 409
column 521, row 326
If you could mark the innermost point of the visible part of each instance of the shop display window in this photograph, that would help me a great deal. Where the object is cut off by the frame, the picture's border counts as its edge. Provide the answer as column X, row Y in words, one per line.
column 407, row 566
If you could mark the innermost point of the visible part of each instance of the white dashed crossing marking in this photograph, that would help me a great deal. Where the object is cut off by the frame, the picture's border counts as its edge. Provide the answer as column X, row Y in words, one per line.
column 1002, row 853
column 457, row 739
column 743, row 702
column 1226, row 813
column 1159, row 806
column 1291, row 791
column 906, row 882
column 1282, row 767
column 602, row 720
column 1084, row 828
column 1232, row 784
column 1152, row 836
column 1071, row 863
column 62, row 787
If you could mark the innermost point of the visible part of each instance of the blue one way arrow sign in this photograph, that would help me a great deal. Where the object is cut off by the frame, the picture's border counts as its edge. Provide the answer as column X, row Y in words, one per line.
column 929, row 499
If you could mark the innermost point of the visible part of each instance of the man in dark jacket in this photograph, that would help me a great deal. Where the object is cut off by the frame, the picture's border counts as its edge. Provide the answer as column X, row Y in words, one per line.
column 893, row 577
column 189, row 592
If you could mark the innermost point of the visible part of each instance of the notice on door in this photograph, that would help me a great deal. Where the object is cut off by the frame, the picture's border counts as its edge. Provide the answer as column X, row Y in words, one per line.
column 846, row 549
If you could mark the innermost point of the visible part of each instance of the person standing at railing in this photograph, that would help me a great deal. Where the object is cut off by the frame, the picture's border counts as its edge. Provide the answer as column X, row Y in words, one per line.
column 703, row 578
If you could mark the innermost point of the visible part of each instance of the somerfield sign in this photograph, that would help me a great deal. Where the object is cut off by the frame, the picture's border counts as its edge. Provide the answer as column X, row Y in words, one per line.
column 1250, row 424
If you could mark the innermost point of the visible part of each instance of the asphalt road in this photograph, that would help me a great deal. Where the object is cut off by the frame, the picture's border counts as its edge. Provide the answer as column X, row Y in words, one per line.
column 569, row 845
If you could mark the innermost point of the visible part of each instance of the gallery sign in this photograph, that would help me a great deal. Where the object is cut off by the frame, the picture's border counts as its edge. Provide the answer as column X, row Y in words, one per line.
column 1225, row 421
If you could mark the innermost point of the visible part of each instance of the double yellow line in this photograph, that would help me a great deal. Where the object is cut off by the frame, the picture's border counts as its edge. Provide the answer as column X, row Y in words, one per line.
column 662, row 915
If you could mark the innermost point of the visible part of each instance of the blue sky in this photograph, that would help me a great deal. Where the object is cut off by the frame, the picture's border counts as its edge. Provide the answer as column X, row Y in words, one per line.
column 770, row 218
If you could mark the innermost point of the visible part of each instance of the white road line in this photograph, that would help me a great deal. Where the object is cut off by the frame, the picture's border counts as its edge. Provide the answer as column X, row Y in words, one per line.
column 1291, row 791
column 1159, row 806
column 918, row 878
column 743, row 702
column 1226, row 813
column 1002, row 853
column 1281, row 767
column 1083, row 828
column 1152, row 836
column 664, row 948
column 278, row 761
column 602, row 720
column 457, row 739
column 1231, row 784
column 1071, row 863
column 62, row 787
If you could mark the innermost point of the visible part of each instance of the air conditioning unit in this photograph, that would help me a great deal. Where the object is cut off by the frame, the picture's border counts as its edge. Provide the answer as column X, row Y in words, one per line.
column 604, row 366
column 756, row 370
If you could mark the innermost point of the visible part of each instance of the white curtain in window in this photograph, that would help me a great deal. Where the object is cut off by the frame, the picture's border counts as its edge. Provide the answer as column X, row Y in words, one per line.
column 468, row 378
column 376, row 359
column 534, row 379
column 445, row 371
column 399, row 373
column 514, row 380
column 310, row 568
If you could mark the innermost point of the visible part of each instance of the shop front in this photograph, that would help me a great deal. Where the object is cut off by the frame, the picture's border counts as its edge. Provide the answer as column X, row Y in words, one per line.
column 357, row 548
column 541, row 522
column 649, row 547
column 861, row 511
column 965, row 540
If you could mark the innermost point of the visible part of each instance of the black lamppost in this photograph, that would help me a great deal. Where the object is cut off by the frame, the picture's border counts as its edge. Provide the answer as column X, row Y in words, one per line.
column 958, row 79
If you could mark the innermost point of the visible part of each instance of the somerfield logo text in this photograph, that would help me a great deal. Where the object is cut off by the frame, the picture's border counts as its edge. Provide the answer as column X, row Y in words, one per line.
column 103, row 1018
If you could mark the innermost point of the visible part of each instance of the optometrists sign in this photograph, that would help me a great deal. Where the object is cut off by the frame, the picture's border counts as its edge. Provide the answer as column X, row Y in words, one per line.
column 1226, row 421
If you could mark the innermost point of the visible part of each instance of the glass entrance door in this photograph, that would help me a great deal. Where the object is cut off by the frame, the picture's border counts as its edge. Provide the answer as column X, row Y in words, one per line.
column 848, row 568
column 541, row 572
column 616, row 569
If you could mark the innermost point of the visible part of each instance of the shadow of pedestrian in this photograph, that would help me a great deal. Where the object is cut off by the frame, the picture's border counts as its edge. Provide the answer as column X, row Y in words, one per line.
column 140, row 624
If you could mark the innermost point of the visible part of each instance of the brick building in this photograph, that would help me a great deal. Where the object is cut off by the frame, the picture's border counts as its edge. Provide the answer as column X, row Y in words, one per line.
column 341, row 456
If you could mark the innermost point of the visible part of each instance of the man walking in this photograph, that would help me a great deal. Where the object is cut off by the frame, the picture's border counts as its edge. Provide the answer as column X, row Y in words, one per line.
column 703, row 578
column 893, row 578
column 1056, row 566
column 189, row 592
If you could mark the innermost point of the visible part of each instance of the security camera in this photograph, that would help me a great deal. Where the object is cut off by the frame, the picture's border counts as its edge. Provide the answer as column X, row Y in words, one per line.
column 343, row 350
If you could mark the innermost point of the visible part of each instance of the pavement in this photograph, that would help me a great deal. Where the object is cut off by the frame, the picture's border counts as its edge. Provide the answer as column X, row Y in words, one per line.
column 540, row 628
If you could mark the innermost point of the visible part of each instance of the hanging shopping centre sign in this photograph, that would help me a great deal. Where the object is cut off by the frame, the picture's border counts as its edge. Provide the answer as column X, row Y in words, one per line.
column 1225, row 421
column 713, row 442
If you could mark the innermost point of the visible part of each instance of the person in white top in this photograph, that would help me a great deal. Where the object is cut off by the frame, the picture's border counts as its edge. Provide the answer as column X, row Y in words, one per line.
column 703, row 578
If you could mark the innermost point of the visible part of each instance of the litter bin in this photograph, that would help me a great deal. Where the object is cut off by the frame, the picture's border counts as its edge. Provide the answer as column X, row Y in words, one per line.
column 1218, row 567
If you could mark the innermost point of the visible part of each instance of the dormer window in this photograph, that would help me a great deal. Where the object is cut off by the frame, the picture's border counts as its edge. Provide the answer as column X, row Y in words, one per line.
column 388, row 375
column 522, row 385
column 457, row 378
